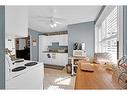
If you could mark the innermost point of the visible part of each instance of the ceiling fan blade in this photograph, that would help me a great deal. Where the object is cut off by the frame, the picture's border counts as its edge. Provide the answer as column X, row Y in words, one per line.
column 58, row 18
column 58, row 22
column 45, row 17
column 44, row 20
column 49, row 18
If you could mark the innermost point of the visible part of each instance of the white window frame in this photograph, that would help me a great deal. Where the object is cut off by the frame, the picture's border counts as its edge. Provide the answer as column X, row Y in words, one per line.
column 104, row 14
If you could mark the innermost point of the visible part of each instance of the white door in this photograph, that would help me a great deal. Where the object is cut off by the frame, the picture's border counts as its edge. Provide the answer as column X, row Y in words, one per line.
column 42, row 47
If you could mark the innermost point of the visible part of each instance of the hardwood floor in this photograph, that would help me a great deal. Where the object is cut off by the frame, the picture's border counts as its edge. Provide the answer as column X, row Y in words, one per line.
column 99, row 79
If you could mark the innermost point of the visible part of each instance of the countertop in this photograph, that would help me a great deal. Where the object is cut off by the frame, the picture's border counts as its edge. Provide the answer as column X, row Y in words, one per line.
column 53, row 52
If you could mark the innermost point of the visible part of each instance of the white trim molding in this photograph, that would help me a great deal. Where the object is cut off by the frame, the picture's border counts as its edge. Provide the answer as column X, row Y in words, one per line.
column 120, row 30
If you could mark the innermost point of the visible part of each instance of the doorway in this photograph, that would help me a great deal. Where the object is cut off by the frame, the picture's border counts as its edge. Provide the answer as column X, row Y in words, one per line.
column 23, row 48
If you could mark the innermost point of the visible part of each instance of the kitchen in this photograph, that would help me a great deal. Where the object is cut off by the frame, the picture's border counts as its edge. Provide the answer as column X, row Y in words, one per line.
column 53, row 48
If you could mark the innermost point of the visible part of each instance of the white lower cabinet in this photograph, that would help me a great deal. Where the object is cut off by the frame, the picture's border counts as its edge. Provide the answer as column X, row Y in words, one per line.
column 60, row 59
column 45, row 58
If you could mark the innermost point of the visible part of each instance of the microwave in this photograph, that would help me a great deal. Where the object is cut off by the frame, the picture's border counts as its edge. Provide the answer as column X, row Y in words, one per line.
column 79, row 53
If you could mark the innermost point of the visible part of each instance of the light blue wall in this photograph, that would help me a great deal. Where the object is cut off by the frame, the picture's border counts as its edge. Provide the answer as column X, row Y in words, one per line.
column 82, row 32
column 2, row 47
column 34, row 50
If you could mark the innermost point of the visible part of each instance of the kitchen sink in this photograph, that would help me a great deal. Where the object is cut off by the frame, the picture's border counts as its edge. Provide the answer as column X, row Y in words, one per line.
column 18, row 68
column 31, row 64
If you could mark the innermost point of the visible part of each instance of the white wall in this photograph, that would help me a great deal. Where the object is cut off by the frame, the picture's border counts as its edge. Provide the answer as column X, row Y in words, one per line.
column 16, row 21
column 120, row 31
column 16, row 25
column 10, row 44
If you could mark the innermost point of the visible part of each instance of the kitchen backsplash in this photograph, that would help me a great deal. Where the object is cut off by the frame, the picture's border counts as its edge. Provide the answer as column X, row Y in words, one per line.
column 56, row 46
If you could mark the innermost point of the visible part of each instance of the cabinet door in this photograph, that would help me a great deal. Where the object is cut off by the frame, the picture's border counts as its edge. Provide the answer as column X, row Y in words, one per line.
column 54, row 38
column 62, row 59
column 63, row 40
column 48, row 40
column 58, row 60
column 45, row 58
column 64, row 62
column 54, row 59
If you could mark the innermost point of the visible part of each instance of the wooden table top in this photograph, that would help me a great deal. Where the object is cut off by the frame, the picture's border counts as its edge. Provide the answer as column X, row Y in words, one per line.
column 101, row 78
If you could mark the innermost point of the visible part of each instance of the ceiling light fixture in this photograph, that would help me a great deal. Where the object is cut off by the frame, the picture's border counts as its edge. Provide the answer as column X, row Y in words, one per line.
column 53, row 25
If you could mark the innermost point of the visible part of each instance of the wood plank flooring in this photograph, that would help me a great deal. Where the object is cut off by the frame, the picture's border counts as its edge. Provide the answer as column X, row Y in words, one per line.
column 99, row 79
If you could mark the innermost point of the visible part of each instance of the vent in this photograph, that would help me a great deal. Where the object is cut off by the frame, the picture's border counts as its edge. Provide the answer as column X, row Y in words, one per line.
column 55, row 33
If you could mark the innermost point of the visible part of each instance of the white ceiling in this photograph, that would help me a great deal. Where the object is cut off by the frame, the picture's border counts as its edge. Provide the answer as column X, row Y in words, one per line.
column 70, row 14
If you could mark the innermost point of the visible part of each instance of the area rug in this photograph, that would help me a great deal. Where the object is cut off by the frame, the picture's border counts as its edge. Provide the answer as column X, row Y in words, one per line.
column 54, row 67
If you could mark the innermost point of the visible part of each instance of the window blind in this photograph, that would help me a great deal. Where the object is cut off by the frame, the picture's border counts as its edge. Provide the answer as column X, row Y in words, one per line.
column 107, row 33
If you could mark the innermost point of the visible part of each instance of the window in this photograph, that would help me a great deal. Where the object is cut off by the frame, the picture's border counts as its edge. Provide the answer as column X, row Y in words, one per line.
column 107, row 34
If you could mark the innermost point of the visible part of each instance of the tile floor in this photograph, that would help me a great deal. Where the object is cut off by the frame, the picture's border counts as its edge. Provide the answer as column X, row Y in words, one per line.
column 58, row 79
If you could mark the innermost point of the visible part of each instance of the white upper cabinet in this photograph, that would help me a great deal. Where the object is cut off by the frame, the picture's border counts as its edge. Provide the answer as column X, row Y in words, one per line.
column 16, row 21
column 48, row 40
column 62, row 39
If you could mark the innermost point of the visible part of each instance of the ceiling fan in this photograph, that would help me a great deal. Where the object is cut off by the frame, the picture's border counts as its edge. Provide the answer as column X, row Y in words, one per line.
column 51, row 20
